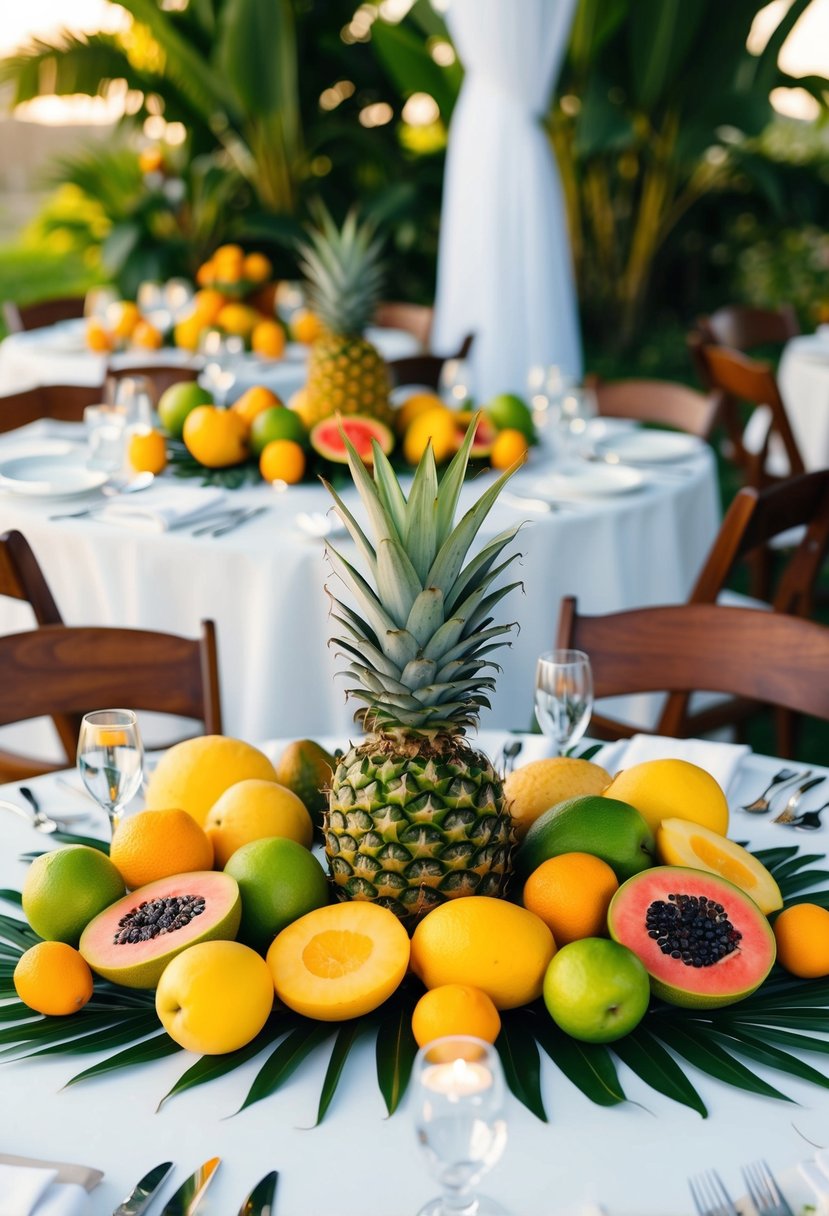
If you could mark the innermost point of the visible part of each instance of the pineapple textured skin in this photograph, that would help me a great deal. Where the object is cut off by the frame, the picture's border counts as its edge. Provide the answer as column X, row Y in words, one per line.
column 347, row 376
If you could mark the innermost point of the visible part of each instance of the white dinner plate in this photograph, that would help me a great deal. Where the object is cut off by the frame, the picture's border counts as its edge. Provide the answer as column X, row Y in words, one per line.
column 585, row 481
column 648, row 447
column 48, row 474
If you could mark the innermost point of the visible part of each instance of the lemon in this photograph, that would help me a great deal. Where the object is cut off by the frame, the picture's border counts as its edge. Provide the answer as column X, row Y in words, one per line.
column 672, row 789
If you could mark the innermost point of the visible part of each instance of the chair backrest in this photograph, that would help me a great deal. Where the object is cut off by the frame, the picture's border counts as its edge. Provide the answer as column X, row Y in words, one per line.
column 742, row 380
column 416, row 319
column 159, row 377
column 765, row 656
column 659, row 401
column 61, row 669
column 21, row 578
column 744, row 328
column 64, row 402
column 756, row 517
column 46, row 312
column 425, row 369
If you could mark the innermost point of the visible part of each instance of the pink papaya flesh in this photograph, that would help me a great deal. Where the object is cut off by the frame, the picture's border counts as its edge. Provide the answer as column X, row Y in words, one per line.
column 327, row 437
column 133, row 940
column 703, row 941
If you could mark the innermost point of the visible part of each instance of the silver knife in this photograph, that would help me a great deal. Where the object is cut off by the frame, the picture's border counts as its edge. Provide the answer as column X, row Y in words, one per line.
column 141, row 1194
column 260, row 1202
column 240, row 519
column 188, row 1196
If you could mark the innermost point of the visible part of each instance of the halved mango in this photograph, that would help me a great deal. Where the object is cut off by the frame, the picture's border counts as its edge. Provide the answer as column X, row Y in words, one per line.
column 339, row 962
column 683, row 843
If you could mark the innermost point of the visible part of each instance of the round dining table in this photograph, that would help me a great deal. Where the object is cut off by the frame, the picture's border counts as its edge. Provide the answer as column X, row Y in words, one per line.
column 803, row 376
column 614, row 536
column 632, row 1159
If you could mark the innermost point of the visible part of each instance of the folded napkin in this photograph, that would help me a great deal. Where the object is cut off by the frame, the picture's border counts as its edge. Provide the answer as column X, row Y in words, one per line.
column 44, row 1188
column 160, row 510
column 721, row 760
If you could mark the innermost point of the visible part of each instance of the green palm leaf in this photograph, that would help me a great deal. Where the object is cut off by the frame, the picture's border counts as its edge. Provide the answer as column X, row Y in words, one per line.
column 517, row 1047
column 345, row 1040
column 764, row 1053
column 297, row 1045
column 648, row 1059
column 711, row 1058
column 396, row 1047
column 83, row 63
column 589, row 1066
column 155, row 1048
column 209, row 1068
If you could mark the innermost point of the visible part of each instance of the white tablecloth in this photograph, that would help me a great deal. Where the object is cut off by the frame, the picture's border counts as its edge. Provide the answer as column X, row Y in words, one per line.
column 633, row 1159
column 57, row 354
column 263, row 584
column 803, row 376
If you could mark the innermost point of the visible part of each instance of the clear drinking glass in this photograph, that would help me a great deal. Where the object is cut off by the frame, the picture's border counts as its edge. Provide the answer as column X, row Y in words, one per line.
column 459, row 1119
column 104, row 425
column 577, row 408
column 111, row 759
column 454, row 384
column 223, row 354
column 563, row 696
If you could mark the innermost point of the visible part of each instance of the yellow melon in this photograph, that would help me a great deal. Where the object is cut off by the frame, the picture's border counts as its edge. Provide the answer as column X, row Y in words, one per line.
column 533, row 788
column 488, row 943
column 671, row 789
column 194, row 774
column 339, row 962
column 683, row 843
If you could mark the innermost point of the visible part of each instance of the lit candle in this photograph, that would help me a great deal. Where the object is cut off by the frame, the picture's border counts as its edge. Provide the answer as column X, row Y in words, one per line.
column 460, row 1079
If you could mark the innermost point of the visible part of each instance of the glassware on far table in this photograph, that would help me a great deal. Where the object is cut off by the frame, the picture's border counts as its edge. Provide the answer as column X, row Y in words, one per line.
column 105, row 425
column 455, row 382
column 111, row 759
column 460, row 1122
column 222, row 354
column 563, row 696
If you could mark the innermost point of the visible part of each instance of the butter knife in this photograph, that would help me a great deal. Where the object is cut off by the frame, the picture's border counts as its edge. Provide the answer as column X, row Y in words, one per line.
column 189, row 1195
column 141, row 1194
column 260, row 1202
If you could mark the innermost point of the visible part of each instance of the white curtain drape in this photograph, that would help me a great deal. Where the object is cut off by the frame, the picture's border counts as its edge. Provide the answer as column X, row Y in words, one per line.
column 504, row 265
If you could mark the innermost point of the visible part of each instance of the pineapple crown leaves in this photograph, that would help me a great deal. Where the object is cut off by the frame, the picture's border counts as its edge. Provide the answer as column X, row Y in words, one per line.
column 343, row 270
column 419, row 645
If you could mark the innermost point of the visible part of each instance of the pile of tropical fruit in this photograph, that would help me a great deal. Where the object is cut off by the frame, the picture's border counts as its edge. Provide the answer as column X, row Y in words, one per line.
column 236, row 298
column 123, row 328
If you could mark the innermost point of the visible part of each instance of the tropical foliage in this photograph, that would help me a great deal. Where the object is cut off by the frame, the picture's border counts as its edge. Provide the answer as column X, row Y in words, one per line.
column 786, row 1015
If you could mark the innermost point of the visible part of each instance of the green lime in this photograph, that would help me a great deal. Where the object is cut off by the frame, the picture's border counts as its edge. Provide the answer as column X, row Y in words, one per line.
column 596, row 990
column 177, row 401
column 506, row 411
column 591, row 823
column 66, row 888
column 279, row 881
column 278, row 422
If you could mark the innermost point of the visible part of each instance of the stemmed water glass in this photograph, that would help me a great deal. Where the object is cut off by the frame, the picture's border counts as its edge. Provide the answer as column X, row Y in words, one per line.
column 563, row 696
column 459, row 1119
column 111, row 759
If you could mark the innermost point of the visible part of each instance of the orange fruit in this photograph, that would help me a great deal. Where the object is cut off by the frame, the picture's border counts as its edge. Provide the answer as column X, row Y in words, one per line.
column 206, row 274
column 282, row 460
column 151, row 160
column 122, row 318
column 571, row 893
column 208, row 303
column 802, row 934
column 413, row 407
column 255, row 401
column 98, row 337
column 158, row 844
column 52, row 978
column 268, row 339
column 187, row 332
column 436, row 424
column 215, row 437
column 147, row 452
column 257, row 268
column 508, row 447
column 455, row 1009
column 228, row 262
column 238, row 319
column 147, row 336
column 305, row 326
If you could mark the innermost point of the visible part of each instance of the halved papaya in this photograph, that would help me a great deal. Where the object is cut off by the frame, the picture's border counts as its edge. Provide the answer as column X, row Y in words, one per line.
column 703, row 941
column 133, row 940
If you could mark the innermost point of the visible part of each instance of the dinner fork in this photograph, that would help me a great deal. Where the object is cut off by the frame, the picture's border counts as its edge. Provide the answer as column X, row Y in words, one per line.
column 787, row 815
column 762, row 803
column 710, row 1196
column 809, row 821
column 764, row 1192
column 115, row 488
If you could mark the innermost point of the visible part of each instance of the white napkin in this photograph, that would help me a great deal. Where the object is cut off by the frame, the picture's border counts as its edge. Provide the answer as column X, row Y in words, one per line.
column 721, row 760
column 27, row 1191
column 160, row 510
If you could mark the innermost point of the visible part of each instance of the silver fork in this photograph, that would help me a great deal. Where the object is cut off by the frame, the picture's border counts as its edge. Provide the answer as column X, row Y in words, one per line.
column 788, row 812
column 710, row 1196
column 763, row 1190
column 762, row 803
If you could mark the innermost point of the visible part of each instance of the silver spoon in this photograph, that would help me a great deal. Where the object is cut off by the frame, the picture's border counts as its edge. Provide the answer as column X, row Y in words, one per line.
column 762, row 803
column 37, row 819
column 113, row 489
column 809, row 821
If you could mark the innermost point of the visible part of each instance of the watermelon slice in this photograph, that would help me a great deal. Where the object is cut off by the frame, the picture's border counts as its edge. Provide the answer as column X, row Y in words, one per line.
column 327, row 437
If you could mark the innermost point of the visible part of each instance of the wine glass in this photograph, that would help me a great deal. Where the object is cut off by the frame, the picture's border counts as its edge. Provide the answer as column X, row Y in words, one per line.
column 459, row 1119
column 454, row 383
column 563, row 696
column 111, row 759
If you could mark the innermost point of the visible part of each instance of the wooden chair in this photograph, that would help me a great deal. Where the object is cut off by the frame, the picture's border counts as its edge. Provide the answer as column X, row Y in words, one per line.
column 658, row 401
column 158, row 377
column 64, row 402
column 425, row 369
column 46, row 312
column 59, row 669
column 744, row 328
column 415, row 319
column 761, row 656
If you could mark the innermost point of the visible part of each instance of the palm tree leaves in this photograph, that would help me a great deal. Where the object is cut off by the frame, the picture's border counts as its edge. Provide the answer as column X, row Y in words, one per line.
column 785, row 1016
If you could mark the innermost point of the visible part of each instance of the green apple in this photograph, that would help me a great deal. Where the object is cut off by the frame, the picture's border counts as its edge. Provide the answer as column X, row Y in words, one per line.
column 506, row 411
column 177, row 401
column 596, row 990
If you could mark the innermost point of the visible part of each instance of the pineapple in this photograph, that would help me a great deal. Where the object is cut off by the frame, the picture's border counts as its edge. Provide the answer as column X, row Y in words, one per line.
column 346, row 374
column 416, row 815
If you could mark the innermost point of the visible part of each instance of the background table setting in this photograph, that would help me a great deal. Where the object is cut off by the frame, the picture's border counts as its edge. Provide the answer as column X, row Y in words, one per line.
column 629, row 1160
column 592, row 526
column 804, row 382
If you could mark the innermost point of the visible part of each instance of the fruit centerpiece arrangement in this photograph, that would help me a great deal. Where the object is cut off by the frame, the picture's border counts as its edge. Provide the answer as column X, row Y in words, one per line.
column 595, row 919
